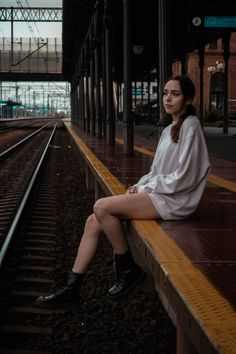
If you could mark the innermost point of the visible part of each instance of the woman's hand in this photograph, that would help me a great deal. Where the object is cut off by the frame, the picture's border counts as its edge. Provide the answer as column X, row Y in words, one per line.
column 132, row 189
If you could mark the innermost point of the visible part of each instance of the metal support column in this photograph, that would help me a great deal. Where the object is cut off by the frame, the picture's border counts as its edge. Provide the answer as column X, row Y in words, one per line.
column 97, row 63
column 86, row 100
column 226, row 54
column 92, row 108
column 77, row 104
column 12, row 36
column 201, row 52
column 104, row 89
column 81, row 102
column 165, row 59
column 128, row 127
column 72, row 96
column 98, row 92
column 110, row 118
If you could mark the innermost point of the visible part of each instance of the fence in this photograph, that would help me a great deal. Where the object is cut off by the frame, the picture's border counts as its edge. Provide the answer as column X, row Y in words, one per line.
column 31, row 55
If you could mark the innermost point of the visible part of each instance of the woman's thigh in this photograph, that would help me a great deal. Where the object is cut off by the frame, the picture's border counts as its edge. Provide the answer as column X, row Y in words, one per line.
column 129, row 206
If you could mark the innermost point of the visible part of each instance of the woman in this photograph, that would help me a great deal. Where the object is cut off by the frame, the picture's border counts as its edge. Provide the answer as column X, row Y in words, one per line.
column 171, row 190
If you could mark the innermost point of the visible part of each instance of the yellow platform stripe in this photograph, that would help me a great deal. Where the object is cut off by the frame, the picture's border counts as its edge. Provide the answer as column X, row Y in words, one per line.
column 221, row 182
column 138, row 148
column 212, row 311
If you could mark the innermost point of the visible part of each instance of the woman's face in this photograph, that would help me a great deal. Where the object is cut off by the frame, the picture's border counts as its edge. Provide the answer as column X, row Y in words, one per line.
column 173, row 99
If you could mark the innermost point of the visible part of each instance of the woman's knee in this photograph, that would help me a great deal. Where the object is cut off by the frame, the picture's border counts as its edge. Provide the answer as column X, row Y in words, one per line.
column 92, row 222
column 100, row 208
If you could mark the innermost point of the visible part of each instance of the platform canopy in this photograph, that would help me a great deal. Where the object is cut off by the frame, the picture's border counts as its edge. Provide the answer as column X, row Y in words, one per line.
column 187, row 27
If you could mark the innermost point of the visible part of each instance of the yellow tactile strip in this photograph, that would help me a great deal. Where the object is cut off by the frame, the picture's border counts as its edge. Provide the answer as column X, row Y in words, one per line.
column 213, row 314
column 212, row 311
column 221, row 182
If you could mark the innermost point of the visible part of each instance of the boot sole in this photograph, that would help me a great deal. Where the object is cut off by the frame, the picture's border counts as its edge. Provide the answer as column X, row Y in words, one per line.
column 142, row 276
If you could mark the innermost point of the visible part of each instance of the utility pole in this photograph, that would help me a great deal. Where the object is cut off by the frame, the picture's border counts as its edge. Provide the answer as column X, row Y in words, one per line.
column 34, row 103
column 12, row 36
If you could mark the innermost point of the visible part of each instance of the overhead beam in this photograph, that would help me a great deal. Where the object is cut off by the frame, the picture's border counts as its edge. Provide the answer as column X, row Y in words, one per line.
column 31, row 14
column 31, row 77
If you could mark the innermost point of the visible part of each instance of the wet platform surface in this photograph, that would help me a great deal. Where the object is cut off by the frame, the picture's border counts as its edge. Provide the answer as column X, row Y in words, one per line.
column 208, row 237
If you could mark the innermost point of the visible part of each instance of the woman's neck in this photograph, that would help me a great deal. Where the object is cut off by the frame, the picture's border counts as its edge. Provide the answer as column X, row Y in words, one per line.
column 175, row 119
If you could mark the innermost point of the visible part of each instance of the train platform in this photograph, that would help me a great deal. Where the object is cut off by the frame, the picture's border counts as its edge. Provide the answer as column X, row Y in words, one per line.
column 192, row 261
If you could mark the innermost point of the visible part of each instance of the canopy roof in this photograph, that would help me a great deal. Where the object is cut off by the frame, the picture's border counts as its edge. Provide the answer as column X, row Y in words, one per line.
column 77, row 15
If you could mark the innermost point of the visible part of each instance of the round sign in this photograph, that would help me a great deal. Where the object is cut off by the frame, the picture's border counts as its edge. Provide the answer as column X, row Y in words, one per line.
column 196, row 21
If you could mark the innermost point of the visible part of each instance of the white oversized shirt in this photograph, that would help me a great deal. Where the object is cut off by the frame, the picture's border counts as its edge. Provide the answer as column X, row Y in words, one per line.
column 179, row 171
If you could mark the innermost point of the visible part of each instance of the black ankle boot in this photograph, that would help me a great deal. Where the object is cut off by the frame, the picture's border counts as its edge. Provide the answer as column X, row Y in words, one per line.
column 128, row 274
column 66, row 297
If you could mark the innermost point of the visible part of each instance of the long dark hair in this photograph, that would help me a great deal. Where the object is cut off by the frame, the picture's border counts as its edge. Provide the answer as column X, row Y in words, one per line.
column 188, row 90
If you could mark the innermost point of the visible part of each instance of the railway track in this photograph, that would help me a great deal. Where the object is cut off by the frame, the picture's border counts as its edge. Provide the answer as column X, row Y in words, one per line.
column 12, row 132
column 30, row 261
column 10, row 125
column 17, row 165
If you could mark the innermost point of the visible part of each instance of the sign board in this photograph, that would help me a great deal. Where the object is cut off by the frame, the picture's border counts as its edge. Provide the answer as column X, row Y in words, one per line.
column 221, row 22
column 205, row 22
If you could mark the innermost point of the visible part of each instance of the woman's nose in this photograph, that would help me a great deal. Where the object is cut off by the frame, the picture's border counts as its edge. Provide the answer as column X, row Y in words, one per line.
column 168, row 97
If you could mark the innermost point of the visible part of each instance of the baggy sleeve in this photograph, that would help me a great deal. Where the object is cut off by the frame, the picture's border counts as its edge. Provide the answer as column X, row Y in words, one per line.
column 146, row 178
column 193, row 166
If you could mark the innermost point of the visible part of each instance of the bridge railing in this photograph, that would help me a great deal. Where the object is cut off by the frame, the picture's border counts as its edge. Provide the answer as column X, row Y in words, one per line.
column 29, row 55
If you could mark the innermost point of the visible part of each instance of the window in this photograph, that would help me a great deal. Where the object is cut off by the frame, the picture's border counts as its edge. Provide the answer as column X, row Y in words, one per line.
column 213, row 44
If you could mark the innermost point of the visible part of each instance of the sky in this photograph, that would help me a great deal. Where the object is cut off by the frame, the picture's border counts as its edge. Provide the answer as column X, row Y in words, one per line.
column 38, row 29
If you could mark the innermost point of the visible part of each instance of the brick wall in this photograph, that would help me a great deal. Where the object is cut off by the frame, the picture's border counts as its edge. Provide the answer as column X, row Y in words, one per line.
column 212, row 57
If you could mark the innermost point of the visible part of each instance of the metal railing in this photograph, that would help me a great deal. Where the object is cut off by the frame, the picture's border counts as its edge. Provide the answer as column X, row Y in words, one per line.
column 29, row 56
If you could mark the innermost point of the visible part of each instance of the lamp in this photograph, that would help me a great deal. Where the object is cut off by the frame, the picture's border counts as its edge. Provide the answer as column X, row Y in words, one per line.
column 138, row 49
column 211, row 68
column 220, row 66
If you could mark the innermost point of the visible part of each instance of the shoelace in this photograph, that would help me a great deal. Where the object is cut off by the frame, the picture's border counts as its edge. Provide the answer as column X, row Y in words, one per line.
column 59, row 291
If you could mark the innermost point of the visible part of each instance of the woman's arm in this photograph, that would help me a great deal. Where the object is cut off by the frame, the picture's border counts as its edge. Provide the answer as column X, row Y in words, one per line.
column 193, row 166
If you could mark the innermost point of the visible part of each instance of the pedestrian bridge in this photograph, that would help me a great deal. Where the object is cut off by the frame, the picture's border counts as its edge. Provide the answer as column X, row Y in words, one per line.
column 31, row 59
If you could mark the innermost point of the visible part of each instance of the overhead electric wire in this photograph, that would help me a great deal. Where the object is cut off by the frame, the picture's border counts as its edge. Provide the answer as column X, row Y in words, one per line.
column 19, row 3
column 41, row 38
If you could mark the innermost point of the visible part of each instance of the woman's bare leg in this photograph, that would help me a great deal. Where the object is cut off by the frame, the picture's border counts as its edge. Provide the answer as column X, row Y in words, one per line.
column 68, row 295
column 88, row 245
column 110, row 211
column 107, row 218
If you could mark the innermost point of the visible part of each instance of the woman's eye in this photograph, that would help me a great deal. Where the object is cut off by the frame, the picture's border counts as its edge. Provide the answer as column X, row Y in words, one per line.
column 175, row 94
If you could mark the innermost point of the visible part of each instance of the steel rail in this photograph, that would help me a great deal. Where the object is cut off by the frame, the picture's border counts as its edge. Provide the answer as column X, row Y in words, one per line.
column 20, row 124
column 17, row 145
column 18, row 215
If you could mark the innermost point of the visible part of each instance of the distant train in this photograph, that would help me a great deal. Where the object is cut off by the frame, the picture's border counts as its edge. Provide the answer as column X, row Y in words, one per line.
column 7, row 108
